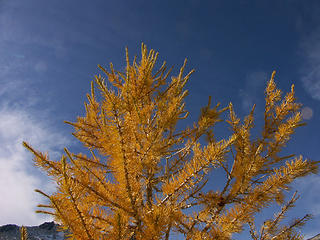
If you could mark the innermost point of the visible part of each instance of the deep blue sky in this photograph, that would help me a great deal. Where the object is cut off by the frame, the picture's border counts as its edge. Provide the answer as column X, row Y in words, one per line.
column 49, row 51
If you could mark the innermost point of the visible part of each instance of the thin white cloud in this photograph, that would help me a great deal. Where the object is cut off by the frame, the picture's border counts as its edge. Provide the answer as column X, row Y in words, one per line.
column 307, row 186
column 18, row 176
column 23, row 25
column 310, row 202
column 20, row 26
column 255, row 83
column 310, row 72
column 19, row 121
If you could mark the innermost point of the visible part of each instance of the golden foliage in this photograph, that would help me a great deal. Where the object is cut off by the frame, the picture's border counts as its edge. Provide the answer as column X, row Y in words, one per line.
column 142, row 172
column 24, row 234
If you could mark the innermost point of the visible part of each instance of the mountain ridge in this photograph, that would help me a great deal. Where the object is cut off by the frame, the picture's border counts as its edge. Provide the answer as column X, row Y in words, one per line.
column 44, row 231
column 47, row 231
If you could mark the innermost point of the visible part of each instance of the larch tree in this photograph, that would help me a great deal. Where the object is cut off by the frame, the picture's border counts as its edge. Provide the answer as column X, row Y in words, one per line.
column 23, row 233
column 142, row 174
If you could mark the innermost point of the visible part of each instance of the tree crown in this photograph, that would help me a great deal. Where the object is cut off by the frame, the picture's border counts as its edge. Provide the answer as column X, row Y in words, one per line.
column 142, row 173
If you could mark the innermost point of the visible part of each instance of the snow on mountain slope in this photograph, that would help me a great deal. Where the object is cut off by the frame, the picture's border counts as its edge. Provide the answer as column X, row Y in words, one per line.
column 45, row 231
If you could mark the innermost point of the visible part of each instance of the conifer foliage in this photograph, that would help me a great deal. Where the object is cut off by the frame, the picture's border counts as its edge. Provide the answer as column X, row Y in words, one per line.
column 141, row 173
column 23, row 233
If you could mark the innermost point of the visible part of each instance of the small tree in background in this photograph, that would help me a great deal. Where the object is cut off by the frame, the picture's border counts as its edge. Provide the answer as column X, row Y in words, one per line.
column 23, row 233
column 144, row 172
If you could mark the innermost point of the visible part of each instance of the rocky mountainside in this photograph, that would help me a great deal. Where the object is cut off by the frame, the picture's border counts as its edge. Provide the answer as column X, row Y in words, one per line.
column 45, row 231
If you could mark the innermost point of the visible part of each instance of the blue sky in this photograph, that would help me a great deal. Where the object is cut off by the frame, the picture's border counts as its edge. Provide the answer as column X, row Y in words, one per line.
column 49, row 51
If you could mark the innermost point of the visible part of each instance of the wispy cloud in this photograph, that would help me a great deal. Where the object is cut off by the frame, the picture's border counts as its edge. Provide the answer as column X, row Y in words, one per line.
column 20, row 121
column 309, row 202
column 307, row 187
column 310, row 71
column 250, row 94
column 18, row 176
column 56, row 31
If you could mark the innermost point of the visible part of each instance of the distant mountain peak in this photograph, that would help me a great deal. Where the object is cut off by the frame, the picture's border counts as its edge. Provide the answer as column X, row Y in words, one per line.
column 45, row 231
column 47, row 225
